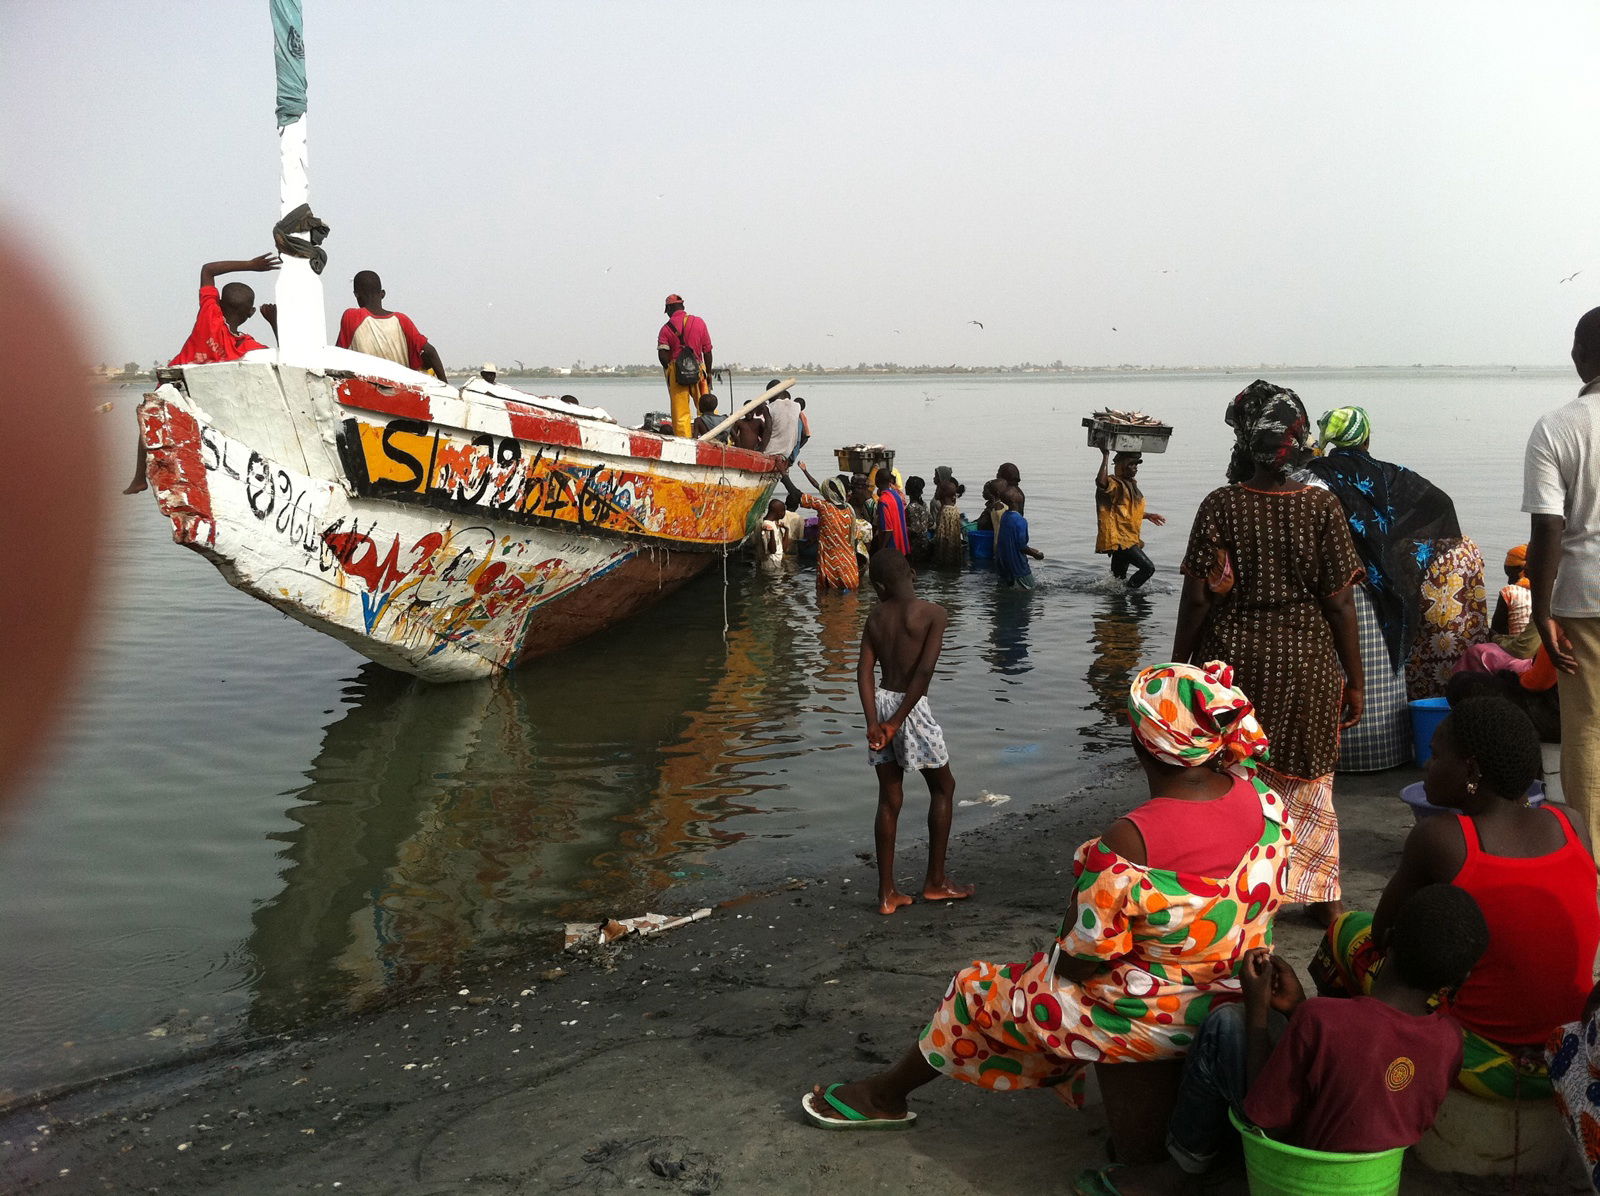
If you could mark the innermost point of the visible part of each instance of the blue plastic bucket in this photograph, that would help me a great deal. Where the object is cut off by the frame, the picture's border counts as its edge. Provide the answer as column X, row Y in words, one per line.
column 981, row 545
column 1426, row 715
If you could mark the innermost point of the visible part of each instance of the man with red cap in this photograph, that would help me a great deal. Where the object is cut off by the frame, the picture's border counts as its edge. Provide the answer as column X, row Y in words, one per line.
column 683, row 331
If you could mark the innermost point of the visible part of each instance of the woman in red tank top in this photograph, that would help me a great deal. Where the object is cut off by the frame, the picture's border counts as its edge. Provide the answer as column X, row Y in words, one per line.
column 1531, row 872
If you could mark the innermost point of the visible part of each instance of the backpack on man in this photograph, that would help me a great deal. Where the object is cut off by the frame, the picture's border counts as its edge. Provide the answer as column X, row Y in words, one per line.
column 685, row 363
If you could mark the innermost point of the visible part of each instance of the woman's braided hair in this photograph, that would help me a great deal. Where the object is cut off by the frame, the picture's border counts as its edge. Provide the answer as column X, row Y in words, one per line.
column 1500, row 738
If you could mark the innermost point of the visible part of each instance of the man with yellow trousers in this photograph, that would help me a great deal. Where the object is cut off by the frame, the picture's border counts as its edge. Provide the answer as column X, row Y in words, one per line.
column 684, row 332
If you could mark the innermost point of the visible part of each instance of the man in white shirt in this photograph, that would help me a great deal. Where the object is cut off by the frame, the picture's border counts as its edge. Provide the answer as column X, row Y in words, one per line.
column 1561, row 491
column 783, row 425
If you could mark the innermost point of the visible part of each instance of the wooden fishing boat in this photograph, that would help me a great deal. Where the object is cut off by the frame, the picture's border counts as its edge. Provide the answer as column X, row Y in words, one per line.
column 447, row 533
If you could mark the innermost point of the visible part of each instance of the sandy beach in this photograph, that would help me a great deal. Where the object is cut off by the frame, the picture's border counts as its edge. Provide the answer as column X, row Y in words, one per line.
column 675, row 1065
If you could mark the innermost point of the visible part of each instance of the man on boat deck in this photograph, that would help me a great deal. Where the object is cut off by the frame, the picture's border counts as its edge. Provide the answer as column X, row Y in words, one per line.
column 216, row 336
column 682, row 329
column 371, row 329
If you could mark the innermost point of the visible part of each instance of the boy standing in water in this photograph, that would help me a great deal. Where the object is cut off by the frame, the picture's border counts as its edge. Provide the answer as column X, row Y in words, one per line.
column 905, row 634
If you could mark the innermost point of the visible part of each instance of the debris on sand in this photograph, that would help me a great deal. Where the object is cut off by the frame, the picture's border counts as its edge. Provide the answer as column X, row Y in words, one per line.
column 584, row 934
column 985, row 798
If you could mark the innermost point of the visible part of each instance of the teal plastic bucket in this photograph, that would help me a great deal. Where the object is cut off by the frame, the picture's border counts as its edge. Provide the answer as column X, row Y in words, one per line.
column 981, row 544
column 1426, row 715
column 1278, row 1169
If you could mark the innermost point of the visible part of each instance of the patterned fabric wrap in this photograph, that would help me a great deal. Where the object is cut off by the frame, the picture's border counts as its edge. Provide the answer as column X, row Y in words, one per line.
column 1185, row 716
column 949, row 540
column 1347, row 962
column 1314, row 862
column 1382, row 739
column 1574, row 1056
column 1393, row 513
column 1269, row 426
column 1169, row 944
column 1345, row 427
column 1455, row 614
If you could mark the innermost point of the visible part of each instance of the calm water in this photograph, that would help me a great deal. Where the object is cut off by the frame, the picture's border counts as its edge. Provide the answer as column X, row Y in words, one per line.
column 246, row 826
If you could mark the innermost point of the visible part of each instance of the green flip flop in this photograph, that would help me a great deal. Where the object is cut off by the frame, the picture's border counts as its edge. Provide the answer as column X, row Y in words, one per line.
column 852, row 1119
column 1096, row 1182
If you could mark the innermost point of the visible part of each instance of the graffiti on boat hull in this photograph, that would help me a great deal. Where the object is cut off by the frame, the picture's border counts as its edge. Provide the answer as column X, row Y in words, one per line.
column 471, row 587
column 516, row 481
column 452, row 584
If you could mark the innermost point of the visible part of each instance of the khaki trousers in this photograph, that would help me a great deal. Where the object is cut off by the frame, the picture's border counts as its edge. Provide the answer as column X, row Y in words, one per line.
column 1580, row 720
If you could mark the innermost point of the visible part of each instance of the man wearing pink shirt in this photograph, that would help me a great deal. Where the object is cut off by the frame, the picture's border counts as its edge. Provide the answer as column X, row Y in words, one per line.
column 683, row 329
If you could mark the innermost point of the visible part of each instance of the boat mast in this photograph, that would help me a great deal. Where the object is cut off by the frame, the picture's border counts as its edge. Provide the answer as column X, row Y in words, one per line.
column 302, row 320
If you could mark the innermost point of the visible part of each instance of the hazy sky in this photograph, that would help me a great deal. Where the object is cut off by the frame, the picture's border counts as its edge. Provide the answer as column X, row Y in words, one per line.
column 1221, row 183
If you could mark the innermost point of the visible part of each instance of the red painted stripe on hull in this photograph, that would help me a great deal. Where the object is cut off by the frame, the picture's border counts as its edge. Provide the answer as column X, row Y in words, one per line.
column 391, row 398
column 644, row 446
column 709, row 452
column 177, row 472
column 528, row 423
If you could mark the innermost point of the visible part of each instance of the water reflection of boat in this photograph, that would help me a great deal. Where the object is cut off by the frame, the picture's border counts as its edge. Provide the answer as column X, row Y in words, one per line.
column 447, row 826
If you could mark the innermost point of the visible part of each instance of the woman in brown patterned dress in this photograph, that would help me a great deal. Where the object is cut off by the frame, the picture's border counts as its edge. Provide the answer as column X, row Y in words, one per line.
column 1267, row 589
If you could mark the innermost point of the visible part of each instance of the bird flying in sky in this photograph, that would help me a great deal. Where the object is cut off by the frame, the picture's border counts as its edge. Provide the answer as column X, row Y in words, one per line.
column 979, row 323
column 1571, row 276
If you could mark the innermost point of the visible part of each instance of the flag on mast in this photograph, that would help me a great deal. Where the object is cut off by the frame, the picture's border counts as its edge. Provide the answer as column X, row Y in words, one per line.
column 289, row 52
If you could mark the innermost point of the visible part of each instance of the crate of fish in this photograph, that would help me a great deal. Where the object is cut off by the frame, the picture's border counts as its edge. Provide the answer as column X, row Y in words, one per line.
column 864, row 458
column 1127, row 432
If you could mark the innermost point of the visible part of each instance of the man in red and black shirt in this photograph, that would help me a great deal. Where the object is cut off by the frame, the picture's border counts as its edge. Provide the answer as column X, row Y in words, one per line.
column 216, row 335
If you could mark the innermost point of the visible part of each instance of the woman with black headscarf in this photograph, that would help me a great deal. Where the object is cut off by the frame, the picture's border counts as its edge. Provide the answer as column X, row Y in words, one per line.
column 1407, row 611
column 1267, row 582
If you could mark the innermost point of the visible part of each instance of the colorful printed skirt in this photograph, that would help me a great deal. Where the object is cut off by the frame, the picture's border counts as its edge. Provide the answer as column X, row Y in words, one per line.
column 1455, row 614
column 949, row 541
column 1347, row 962
column 1007, row 1027
column 1314, row 858
column 1574, row 1052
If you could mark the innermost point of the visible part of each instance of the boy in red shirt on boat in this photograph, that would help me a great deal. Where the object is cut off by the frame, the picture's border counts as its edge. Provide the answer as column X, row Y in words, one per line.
column 372, row 329
column 1347, row 1074
column 905, row 635
column 216, row 335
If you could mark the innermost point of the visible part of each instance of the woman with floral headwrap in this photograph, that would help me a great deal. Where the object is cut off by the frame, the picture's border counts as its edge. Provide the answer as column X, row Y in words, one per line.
column 1267, row 582
column 1165, row 905
column 1421, row 604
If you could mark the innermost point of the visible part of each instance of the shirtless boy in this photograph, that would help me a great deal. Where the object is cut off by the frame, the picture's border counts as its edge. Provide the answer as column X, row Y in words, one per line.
column 904, row 635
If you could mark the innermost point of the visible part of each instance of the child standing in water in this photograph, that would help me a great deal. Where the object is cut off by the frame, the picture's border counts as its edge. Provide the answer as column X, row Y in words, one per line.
column 904, row 635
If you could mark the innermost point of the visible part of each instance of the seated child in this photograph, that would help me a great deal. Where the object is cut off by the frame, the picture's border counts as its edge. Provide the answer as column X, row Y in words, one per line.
column 708, row 418
column 1348, row 1075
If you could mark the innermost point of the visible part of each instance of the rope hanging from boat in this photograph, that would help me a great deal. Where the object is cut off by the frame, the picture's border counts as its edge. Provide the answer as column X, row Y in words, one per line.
column 302, row 220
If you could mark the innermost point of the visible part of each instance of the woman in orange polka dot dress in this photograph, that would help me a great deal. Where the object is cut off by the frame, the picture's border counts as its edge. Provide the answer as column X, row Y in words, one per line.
column 1166, row 903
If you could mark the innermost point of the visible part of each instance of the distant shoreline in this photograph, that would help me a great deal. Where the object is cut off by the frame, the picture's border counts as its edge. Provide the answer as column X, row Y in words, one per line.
column 811, row 370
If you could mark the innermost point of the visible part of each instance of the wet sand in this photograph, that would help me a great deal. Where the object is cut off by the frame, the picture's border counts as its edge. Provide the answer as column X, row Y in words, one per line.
column 677, row 1065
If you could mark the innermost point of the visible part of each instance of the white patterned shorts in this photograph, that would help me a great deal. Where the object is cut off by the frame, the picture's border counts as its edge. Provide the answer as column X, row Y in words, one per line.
column 919, row 743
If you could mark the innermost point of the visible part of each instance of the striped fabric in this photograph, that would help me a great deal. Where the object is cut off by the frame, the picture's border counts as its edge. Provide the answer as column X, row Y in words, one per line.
column 1382, row 739
column 1314, row 859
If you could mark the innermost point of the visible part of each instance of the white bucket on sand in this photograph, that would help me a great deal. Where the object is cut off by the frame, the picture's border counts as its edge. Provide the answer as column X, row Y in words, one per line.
column 1478, row 1136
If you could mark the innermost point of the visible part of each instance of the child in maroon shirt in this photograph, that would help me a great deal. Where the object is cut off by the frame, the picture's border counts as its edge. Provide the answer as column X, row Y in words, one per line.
column 1347, row 1074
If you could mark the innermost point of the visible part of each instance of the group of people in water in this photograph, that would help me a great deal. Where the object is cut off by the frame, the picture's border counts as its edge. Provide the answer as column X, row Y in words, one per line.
column 1323, row 589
